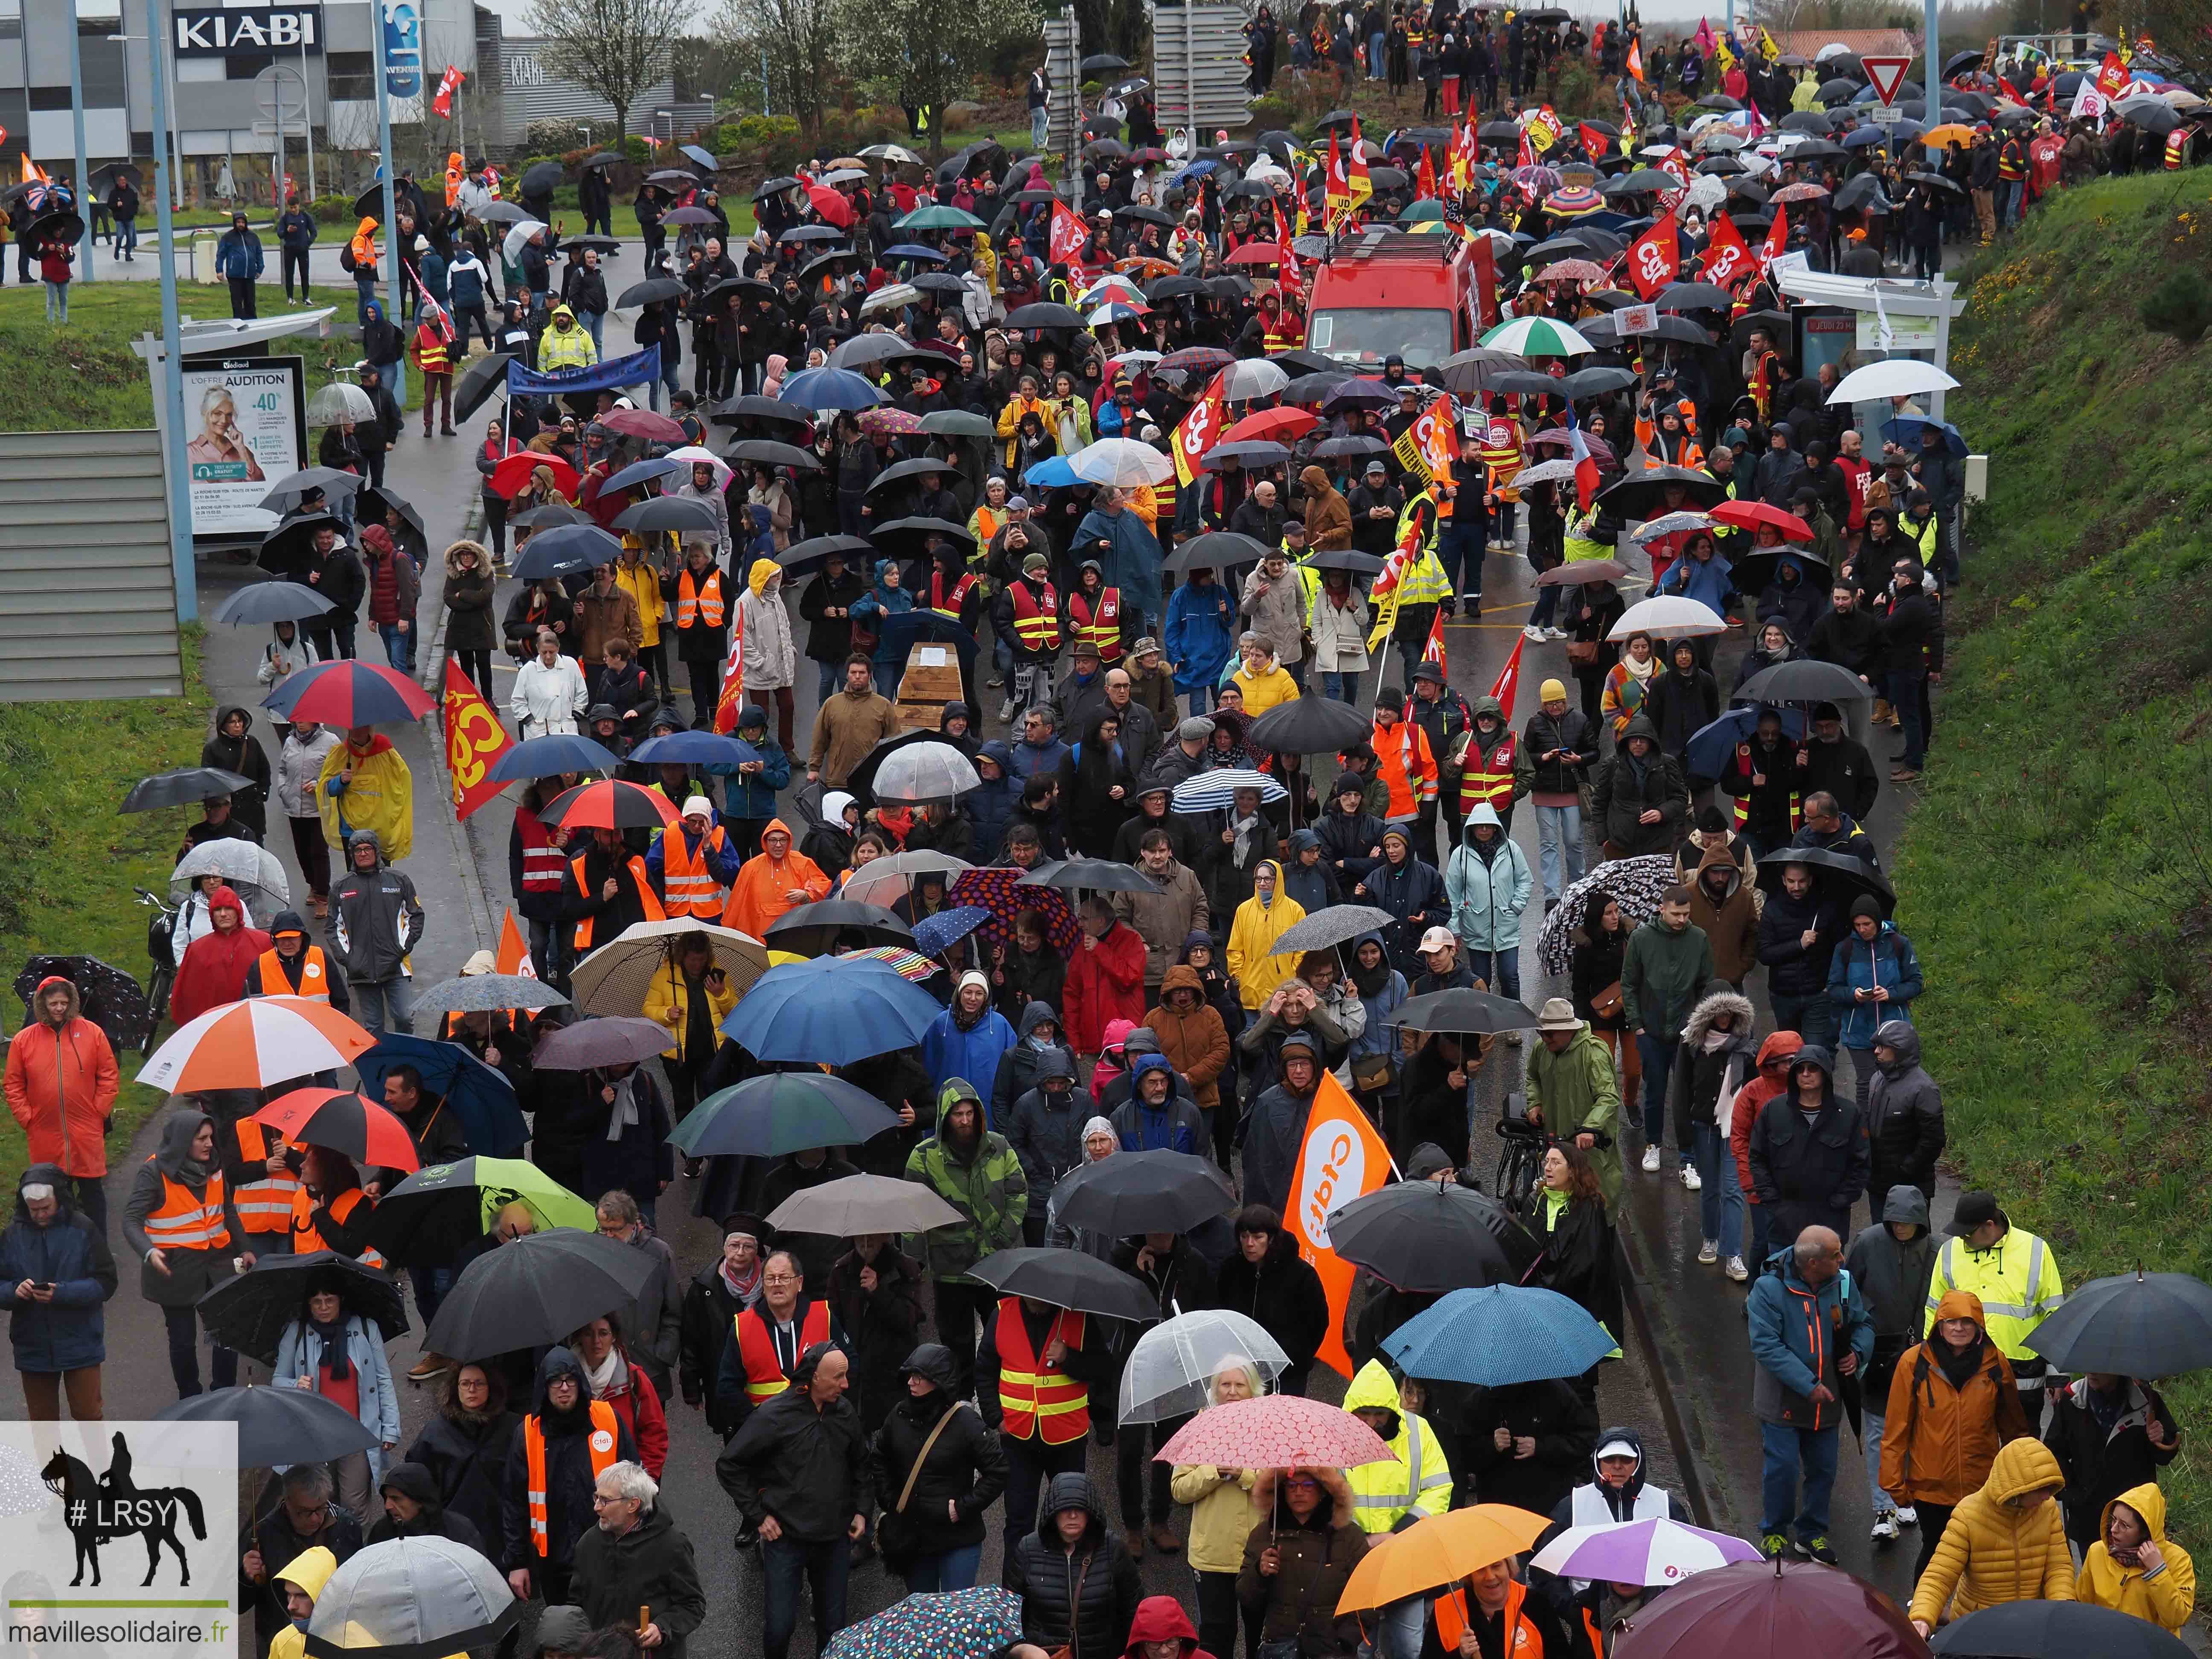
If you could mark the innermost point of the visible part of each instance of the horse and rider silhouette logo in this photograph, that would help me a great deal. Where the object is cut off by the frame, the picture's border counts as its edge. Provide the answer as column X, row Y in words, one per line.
column 99, row 1510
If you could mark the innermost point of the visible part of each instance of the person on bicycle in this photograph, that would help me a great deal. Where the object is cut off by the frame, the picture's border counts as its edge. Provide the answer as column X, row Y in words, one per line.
column 1572, row 1092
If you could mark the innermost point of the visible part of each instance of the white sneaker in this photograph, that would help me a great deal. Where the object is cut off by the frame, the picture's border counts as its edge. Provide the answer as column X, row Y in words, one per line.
column 1692, row 1181
column 1532, row 632
column 1709, row 1252
column 1651, row 1160
column 1555, row 635
column 1736, row 1269
column 1884, row 1528
column 1907, row 1515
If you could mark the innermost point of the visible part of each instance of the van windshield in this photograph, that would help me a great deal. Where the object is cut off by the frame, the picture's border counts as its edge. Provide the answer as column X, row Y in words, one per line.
column 1365, row 335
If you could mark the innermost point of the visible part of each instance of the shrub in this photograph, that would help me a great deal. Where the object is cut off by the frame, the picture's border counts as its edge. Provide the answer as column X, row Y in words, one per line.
column 2180, row 306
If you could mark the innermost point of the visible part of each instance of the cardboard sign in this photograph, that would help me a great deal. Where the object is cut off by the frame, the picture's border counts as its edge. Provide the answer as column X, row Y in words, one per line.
column 1636, row 319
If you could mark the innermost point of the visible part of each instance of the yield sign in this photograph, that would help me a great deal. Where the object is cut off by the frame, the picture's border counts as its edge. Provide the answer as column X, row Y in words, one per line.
column 1887, row 73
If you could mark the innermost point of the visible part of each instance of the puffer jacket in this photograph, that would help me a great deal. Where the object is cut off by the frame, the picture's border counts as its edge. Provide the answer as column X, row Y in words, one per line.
column 1620, row 798
column 1082, row 1599
column 1487, row 896
column 69, row 1253
column 1939, row 1439
column 1994, row 1552
column 1298, row 1601
column 2166, row 1595
column 469, row 625
column 986, row 1186
column 1889, row 962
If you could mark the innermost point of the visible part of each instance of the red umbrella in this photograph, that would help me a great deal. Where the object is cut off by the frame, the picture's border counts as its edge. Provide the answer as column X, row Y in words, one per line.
column 347, row 693
column 833, row 207
column 345, row 1122
column 1755, row 1610
column 511, row 476
column 1750, row 515
column 1256, row 253
column 1275, row 425
column 611, row 804
column 644, row 423
column 1277, row 1431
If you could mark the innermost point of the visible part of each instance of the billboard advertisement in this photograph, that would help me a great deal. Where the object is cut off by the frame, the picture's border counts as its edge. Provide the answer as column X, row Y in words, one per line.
column 244, row 427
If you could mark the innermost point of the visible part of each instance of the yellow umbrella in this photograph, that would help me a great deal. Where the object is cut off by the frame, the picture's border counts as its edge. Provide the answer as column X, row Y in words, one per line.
column 1439, row 1550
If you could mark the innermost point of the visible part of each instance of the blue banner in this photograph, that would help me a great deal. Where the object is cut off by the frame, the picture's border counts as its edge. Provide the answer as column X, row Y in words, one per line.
column 639, row 368
column 402, row 49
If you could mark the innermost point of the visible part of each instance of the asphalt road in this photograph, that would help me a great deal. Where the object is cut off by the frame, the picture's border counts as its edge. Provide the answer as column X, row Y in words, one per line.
column 1697, row 1314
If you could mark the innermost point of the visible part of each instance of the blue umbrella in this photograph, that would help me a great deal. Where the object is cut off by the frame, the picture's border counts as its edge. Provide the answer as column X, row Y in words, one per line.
column 961, row 1624
column 1906, row 429
column 545, row 758
column 1054, row 472
column 1498, row 1335
column 915, row 250
column 1709, row 746
column 829, row 388
column 781, row 1112
column 829, row 1011
column 483, row 1098
column 638, row 472
column 693, row 748
column 565, row 551
column 934, row 935
column 1859, row 138
column 692, row 152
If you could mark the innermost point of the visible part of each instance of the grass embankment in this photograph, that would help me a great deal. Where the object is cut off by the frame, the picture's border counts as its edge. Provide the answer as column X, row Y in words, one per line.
column 73, row 859
column 2057, row 876
column 85, row 376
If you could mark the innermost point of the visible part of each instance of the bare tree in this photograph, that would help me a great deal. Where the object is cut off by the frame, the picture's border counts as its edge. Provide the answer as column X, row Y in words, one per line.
column 615, row 48
column 930, row 50
column 797, row 37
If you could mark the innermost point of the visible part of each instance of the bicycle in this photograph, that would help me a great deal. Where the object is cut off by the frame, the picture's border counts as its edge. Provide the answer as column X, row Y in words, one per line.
column 160, row 947
column 1521, row 1164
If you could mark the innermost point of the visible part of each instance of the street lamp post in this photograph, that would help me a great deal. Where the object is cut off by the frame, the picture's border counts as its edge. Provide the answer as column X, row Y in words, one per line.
column 76, row 104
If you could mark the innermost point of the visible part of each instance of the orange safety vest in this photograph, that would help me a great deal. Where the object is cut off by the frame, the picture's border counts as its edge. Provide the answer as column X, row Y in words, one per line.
column 764, row 1377
column 949, row 604
column 2177, row 145
column 1743, row 802
column 1036, row 620
column 653, row 910
column 1101, row 628
column 276, row 980
column 1405, row 767
column 1487, row 779
column 263, row 1205
column 690, row 886
column 2011, row 161
column 541, row 857
column 700, row 604
column 603, row 1440
column 1521, row 1640
column 305, row 1238
column 185, row 1222
column 1038, row 1398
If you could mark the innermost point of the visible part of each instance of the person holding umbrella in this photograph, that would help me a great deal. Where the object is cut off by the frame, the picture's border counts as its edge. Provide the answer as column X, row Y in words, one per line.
column 1222, row 1520
column 2110, row 1434
column 304, row 1519
column 339, row 1354
column 365, row 786
column 1295, row 1568
column 1034, row 1375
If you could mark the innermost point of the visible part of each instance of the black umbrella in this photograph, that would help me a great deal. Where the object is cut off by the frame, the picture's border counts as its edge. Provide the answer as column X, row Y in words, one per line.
column 754, row 407
column 534, row 1290
column 1068, row 1279
column 957, row 423
column 1643, row 495
column 188, row 785
column 2056, row 1629
column 1935, row 180
column 273, row 602
column 1043, row 314
column 568, row 550
column 1340, row 558
column 1596, row 382
column 374, row 504
column 1464, row 1011
column 605, row 158
column 682, row 513
column 286, row 493
column 802, row 556
column 250, row 1311
column 2138, row 1324
column 1104, row 63
column 287, row 550
column 107, row 996
column 1431, row 1236
column 1841, row 876
column 1753, row 570
column 1694, row 296
column 576, row 246
column 774, row 187
column 541, row 180
column 779, row 1113
column 904, row 471
column 742, row 286
column 766, row 452
column 478, row 382
column 1217, row 550
column 645, row 293
column 1862, row 193
column 1310, row 726
column 1342, row 120
column 1146, row 1192
column 811, row 929
column 550, row 516
column 1090, row 875
column 1803, row 679
column 501, row 213
column 1356, row 445
column 922, row 525
column 280, row 1425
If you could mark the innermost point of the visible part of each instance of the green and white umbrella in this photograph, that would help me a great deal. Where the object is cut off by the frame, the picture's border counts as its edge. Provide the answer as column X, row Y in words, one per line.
column 1537, row 336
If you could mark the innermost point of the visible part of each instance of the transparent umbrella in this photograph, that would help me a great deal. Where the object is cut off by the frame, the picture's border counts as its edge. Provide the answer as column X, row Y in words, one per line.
column 924, row 772
column 885, row 881
column 412, row 1598
column 341, row 400
column 1170, row 1371
column 254, row 871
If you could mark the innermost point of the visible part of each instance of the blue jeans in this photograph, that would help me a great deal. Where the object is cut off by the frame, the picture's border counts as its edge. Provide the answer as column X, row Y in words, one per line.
column 57, row 302
column 1905, row 693
column 373, row 997
column 126, row 236
column 832, row 672
column 1341, row 687
column 1720, row 1201
column 1883, row 1503
column 1657, row 1056
column 955, row 1570
column 1399, row 1634
column 593, row 322
column 1761, row 1246
column 887, row 678
column 1499, row 969
column 1040, row 125
column 2009, row 194
column 399, row 646
column 1460, row 550
column 1558, row 839
column 789, row 1565
column 1788, row 1451
column 1375, row 56
column 1812, row 1018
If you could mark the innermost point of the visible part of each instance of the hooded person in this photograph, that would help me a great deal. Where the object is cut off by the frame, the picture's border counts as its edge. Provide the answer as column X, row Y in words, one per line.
column 779, row 879
column 2005, row 1542
column 1079, row 1587
column 565, row 1442
column 1411, row 890
column 938, row 1469
column 1873, row 978
column 2133, row 1567
column 1260, row 920
column 1953, row 1401
column 1192, row 1037
column 62, row 1081
column 1618, row 1490
column 240, row 751
column 1809, row 1151
column 182, row 1224
column 1890, row 1263
column 1307, row 877
column 1155, row 1118
column 56, row 1272
column 973, row 1168
column 1639, row 800
column 415, row 1508
column 771, row 655
column 1488, row 882
column 364, row 784
column 1721, row 902
column 1903, row 1113
column 300, row 1581
column 213, row 968
column 1277, row 1123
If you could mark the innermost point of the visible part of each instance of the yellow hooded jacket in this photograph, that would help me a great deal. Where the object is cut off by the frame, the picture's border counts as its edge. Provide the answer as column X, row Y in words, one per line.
column 1418, row 1482
column 1252, row 936
column 643, row 581
column 569, row 348
column 381, row 796
column 2166, row 1595
column 310, row 1569
column 1992, row 1551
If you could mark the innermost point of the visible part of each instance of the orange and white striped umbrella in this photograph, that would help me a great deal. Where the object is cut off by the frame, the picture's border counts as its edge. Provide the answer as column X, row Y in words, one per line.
column 253, row 1043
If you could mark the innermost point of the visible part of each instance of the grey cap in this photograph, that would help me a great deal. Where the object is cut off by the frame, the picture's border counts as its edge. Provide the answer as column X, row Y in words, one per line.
column 563, row 1628
column 1197, row 728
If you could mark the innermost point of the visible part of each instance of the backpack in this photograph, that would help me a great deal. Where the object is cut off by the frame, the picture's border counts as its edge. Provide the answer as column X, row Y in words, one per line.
column 346, row 261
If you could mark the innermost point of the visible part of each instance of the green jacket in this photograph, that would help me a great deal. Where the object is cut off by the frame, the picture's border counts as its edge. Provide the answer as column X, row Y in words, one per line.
column 1576, row 1090
column 989, row 1190
column 1661, row 977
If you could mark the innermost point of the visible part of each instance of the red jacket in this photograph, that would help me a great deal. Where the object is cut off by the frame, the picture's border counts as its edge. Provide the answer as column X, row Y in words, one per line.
column 214, row 970
column 1743, row 1111
column 1104, row 983
column 61, row 1083
column 639, row 1408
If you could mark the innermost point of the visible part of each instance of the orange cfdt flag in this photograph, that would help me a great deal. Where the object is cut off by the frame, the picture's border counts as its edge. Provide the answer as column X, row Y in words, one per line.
column 1339, row 1158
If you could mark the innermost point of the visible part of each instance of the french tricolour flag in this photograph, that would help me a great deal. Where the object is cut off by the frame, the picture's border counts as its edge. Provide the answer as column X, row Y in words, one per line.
column 1585, row 463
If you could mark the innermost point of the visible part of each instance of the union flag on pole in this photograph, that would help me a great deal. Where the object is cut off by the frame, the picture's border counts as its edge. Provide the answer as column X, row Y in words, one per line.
column 1425, row 187
column 733, row 678
column 1355, row 169
column 1067, row 237
column 513, row 952
column 1507, row 683
column 1586, row 475
column 1336, row 188
column 1777, row 238
column 448, row 84
column 2112, row 75
column 1340, row 1157
column 1595, row 144
column 1727, row 257
column 474, row 741
column 1654, row 256
column 1636, row 57
column 1433, row 649
column 1200, row 430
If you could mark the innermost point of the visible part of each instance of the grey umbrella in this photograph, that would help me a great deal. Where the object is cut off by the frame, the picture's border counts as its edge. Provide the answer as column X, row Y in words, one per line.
column 488, row 993
column 604, row 1040
column 187, row 786
column 924, row 772
column 860, row 1203
column 285, row 495
column 1340, row 924
column 412, row 1598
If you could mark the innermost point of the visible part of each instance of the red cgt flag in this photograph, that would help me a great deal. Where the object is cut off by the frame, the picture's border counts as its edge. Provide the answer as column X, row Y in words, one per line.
column 1507, row 684
column 1595, row 144
column 474, row 741
column 1200, row 430
column 2112, row 75
column 1727, row 257
column 1777, row 238
column 1067, row 235
column 1654, row 257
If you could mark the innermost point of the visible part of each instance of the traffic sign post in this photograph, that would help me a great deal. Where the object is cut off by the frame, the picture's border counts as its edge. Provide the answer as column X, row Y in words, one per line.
column 1887, row 74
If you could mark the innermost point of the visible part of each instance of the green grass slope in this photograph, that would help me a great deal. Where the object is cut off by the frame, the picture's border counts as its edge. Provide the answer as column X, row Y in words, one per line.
column 2058, row 875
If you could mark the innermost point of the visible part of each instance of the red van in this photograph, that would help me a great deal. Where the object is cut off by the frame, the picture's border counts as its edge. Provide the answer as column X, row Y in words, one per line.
column 1380, row 291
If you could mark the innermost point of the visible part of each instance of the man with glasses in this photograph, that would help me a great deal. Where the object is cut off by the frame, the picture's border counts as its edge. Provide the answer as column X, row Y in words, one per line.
column 634, row 1568
column 652, row 1324
column 303, row 1519
column 767, row 1338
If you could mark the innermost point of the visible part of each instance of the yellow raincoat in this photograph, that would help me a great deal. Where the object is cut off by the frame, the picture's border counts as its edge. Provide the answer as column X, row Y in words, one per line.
column 642, row 579
column 379, row 796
